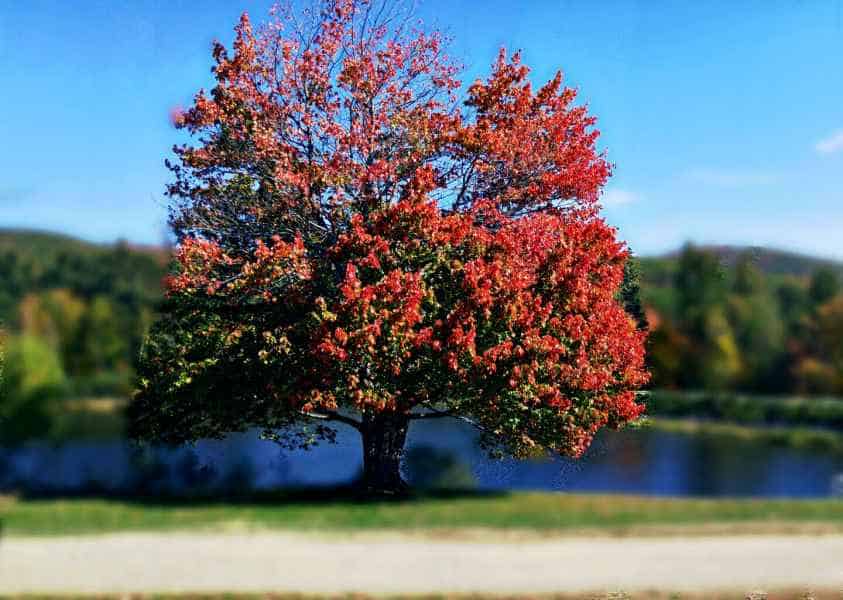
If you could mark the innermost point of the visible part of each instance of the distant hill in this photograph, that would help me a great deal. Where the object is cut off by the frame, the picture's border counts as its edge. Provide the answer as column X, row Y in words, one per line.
column 658, row 270
column 35, row 241
column 35, row 261
column 772, row 261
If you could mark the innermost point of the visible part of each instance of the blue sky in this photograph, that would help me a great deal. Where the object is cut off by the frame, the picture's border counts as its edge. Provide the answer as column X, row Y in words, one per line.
column 724, row 119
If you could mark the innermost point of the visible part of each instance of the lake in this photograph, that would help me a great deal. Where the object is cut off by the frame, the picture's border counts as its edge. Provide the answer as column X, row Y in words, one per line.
column 635, row 461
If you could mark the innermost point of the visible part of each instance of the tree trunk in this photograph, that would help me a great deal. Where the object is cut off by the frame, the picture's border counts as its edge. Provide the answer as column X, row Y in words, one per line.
column 384, row 436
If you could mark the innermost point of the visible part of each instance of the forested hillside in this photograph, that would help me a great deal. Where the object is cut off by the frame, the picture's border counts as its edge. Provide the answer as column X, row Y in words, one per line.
column 74, row 315
column 747, row 319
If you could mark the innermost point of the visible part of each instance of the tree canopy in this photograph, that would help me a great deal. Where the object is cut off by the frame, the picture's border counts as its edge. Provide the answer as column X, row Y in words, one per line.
column 356, row 245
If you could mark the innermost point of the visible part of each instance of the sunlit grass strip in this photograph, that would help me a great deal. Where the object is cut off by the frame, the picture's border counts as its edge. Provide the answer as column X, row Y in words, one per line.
column 544, row 512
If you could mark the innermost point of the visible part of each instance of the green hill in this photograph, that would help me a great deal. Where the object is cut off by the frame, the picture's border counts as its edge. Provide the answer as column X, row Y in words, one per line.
column 38, row 261
column 659, row 270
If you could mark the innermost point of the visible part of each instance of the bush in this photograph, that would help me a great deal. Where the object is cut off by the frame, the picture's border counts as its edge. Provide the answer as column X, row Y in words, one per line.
column 430, row 468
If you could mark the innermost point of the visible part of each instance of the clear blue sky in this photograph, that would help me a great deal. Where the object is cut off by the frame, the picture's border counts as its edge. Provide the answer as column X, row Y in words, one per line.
column 725, row 119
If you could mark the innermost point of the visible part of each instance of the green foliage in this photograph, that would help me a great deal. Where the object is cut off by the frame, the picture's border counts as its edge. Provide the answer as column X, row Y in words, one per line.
column 759, row 335
column 748, row 409
column 36, row 262
column 91, row 304
column 700, row 283
column 33, row 379
column 630, row 292
column 820, row 370
column 824, row 286
column 710, row 360
column 756, row 321
column 792, row 298
column 748, row 279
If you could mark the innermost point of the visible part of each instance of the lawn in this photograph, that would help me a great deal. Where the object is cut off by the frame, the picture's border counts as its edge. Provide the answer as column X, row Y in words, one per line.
column 530, row 512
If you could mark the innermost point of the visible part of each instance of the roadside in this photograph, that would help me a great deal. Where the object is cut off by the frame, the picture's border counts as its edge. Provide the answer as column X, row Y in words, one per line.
column 394, row 563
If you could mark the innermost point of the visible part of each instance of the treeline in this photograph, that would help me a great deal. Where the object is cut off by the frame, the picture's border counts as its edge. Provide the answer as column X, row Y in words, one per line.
column 73, row 316
column 738, row 321
column 744, row 409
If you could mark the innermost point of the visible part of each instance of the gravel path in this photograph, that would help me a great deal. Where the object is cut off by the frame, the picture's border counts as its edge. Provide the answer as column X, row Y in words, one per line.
column 394, row 563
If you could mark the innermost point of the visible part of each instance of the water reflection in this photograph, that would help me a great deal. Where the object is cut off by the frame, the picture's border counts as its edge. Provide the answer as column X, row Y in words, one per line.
column 441, row 453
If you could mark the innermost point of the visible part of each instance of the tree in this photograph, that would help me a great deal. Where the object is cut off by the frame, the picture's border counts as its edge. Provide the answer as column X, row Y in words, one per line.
column 710, row 358
column 821, row 369
column 830, row 329
column 824, row 285
column 630, row 292
column 760, row 336
column 55, row 316
column 354, row 247
column 699, row 282
column 748, row 279
column 32, row 380
column 101, row 343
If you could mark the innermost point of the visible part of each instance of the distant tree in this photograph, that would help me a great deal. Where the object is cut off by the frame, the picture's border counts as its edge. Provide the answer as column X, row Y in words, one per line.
column 793, row 302
column 830, row 327
column 2, row 361
column 700, row 283
column 711, row 358
column 820, row 369
column 667, row 352
column 54, row 316
column 630, row 292
column 101, row 343
column 748, row 279
column 714, row 360
column 760, row 335
column 354, row 248
column 824, row 286
column 33, row 378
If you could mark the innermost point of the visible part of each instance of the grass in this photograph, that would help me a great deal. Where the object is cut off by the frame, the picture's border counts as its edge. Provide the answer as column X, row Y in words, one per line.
column 314, row 511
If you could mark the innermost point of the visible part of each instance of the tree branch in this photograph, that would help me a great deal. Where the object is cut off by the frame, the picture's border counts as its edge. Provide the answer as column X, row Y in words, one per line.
column 431, row 415
column 334, row 416
column 435, row 413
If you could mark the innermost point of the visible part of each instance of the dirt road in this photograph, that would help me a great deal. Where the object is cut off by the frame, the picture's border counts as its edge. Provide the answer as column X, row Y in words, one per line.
column 394, row 563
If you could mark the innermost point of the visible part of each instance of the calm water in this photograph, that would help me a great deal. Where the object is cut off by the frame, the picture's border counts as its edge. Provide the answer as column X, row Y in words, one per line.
column 634, row 461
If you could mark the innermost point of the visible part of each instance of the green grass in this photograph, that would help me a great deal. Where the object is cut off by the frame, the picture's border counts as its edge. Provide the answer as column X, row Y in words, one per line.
column 544, row 512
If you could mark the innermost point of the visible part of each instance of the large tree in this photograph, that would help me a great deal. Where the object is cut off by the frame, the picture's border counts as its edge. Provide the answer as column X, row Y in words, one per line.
column 357, row 246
